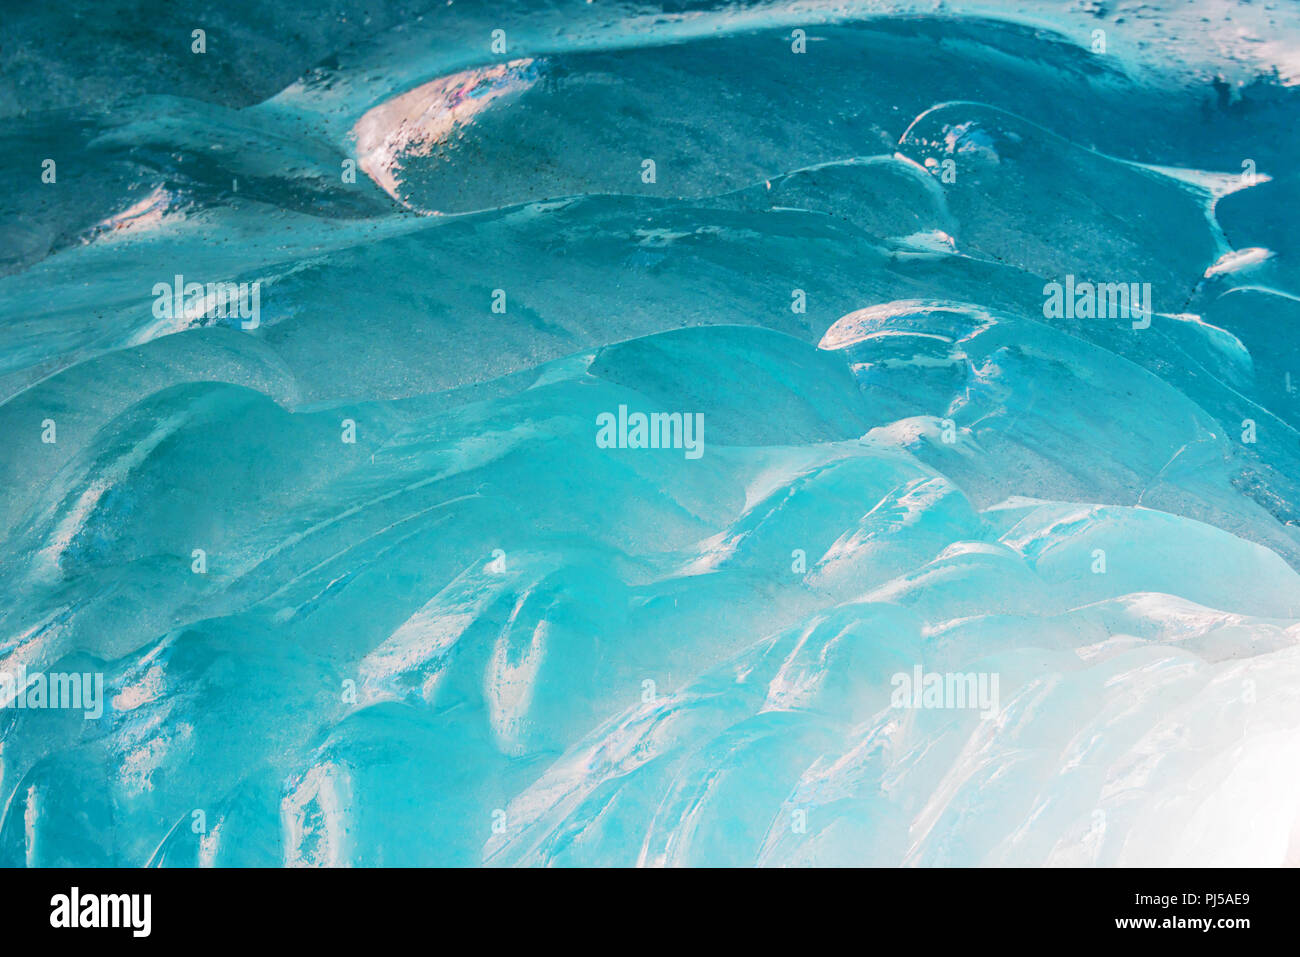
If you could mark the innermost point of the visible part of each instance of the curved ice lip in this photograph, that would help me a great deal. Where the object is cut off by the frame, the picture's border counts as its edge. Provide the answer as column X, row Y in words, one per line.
column 1235, row 43
column 414, row 123
column 414, row 120
column 152, row 212
column 862, row 324
column 1238, row 260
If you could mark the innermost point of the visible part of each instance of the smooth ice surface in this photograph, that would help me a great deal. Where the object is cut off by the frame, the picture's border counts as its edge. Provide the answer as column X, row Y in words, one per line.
column 474, row 635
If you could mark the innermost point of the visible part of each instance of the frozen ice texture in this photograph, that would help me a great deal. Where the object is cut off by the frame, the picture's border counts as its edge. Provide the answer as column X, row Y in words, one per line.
column 475, row 636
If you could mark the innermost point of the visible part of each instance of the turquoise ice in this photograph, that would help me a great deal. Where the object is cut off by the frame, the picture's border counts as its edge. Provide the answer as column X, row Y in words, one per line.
column 363, row 584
